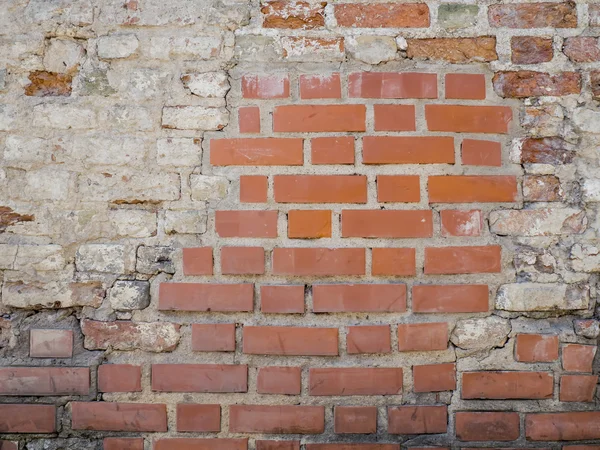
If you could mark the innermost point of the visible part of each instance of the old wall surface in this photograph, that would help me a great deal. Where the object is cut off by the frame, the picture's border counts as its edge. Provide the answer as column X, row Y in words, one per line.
column 231, row 225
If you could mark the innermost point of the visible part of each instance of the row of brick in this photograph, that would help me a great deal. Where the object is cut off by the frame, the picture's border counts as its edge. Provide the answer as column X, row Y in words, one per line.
column 394, row 85
column 287, row 419
column 334, row 261
column 304, row 15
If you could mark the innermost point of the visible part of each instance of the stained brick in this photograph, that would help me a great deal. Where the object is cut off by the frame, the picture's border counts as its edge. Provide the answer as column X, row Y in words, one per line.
column 256, row 152
column 23, row 418
column 319, row 261
column 536, row 348
column 44, row 381
column 50, row 343
column 533, row 15
column 563, row 426
column 265, row 86
column 355, row 419
column 578, row 388
column 320, row 86
column 476, row 152
column 578, row 358
column 123, row 444
column 382, row 15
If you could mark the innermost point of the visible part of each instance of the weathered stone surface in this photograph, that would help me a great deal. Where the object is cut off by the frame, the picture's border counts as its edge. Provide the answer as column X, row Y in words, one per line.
column 533, row 15
column 179, row 152
column 550, row 150
column 595, row 83
column 295, row 48
column 293, row 14
column 63, row 55
column 32, row 257
column 535, row 264
column 151, row 260
column 372, row 49
column 541, row 297
column 147, row 336
column 587, row 328
column 520, row 84
column 127, row 187
column 2, row 79
column 454, row 50
column 107, row 258
column 54, row 294
column 541, row 188
column 130, row 118
column 207, row 85
column 117, row 46
column 116, row 150
column 46, row 84
column 194, row 118
column 587, row 119
column 256, row 48
column 455, row 16
column 6, row 333
column 47, row 183
column 129, row 295
column 205, row 187
column 133, row 223
column 95, row 82
column 64, row 117
column 60, row 444
column 591, row 190
column 8, row 117
column 192, row 47
column 480, row 333
column 585, row 258
column 543, row 120
column 538, row 222
column 185, row 222
column 74, row 12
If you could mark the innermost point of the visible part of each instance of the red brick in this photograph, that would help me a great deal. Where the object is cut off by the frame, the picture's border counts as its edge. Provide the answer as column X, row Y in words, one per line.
column 44, row 381
column 293, row 14
column 581, row 447
column 352, row 446
column 456, row 260
column 9, row 445
column 23, row 418
column 205, row 297
column 256, row 152
column 450, row 298
column 217, row 378
column 542, row 188
column 355, row 419
column 550, row 150
column 285, row 419
column 101, row 416
column 434, row 377
column 565, row 426
column 213, row 337
column 332, row 150
column 309, row 224
column 582, row 49
column 417, row 419
column 368, row 339
column 395, row 117
column 459, row 50
column 531, row 49
column 290, row 341
column 119, row 378
column 317, row 118
column 200, row 444
column 525, row 83
column 320, row 188
column 319, row 261
column 394, row 261
column 320, row 86
column 265, row 86
column 472, row 188
column 279, row 380
column 123, row 444
column 475, row 152
column 277, row 445
column 398, row 188
column 387, row 223
column 465, row 86
column 578, row 388
column 282, row 299
column 50, row 343
column 255, row 224
column 418, row 337
column 507, row 385
column 359, row 298
column 468, row 119
column 198, row 418
column 382, row 15
column 408, row 150
column 533, row 15
column 578, row 358
column 487, row 426
column 461, row 223
column 242, row 260
column 355, row 381
column 198, row 261
column 536, row 348
column 253, row 188
column 249, row 119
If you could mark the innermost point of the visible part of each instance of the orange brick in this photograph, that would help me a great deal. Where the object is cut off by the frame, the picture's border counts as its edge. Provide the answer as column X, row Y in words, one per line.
column 320, row 86
column 434, row 377
column 507, row 385
column 290, row 341
column 359, row 298
column 198, row 261
column 461, row 223
column 563, row 426
column 398, row 188
column 578, row 388
column 536, row 348
column 242, row 260
column 465, row 86
column 452, row 298
column 216, row 378
column 279, row 380
column 417, row 419
column 257, row 224
column 408, row 150
column 332, row 150
column 481, row 153
column 309, row 224
column 418, row 337
column 456, row 260
column 249, row 119
column 119, row 378
column 253, row 188
column 355, row 381
column 368, row 339
column 395, row 118
column 382, row 15
column 293, row 14
column 205, row 297
column 316, row 118
column 276, row 419
column 213, row 337
column 392, row 85
column 468, row 119
column 282, row 299
column 472, row 188
column 387, row 223
column 394, row 261
column 265, row 86
column 256, row 152
column 320, row 188
column 487, row 426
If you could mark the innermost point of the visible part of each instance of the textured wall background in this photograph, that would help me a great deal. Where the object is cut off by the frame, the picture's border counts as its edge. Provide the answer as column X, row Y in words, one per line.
column 231, row 224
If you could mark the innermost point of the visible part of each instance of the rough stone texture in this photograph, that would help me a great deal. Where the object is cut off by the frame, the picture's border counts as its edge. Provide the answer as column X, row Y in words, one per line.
column 215, row 241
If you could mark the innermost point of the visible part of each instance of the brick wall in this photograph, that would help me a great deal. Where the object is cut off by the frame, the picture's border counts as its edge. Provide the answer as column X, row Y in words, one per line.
column 233, row 225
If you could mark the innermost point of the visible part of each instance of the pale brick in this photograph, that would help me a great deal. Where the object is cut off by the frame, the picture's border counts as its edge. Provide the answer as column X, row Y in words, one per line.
column 372, row 49
column 455, row 15
column 106, row 258
column 312, row 49
column 179, row 152
column 48, row 183
column 207, row 85
column 128, row 187
column 39, row 258
column 133, row 223
column 22, row 151
column 117, row 46
column 63, row 55
column 192, row 47
column 185, row 222
column 538, row 222
column 107, row 150
column 129, row 295
column 591, row 190
column 588, row 328
column 55, row 294
column 541, row 297
column 64, row 117
column 585, row 258
column 140, row 84
column 135, row 118
column 194, row 118
column 75, row 12
column 480, row 333
column 50, row 343
column 8, row 117
column 146, row 336
column 205, row 187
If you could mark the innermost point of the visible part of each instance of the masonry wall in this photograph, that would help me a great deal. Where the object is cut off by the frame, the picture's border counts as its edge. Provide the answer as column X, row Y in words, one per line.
column 232, row 225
